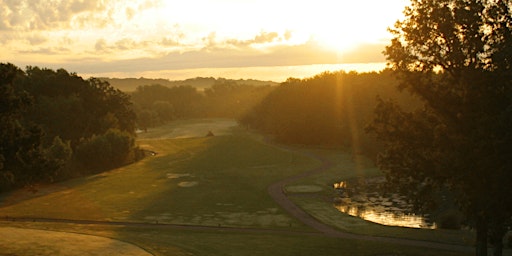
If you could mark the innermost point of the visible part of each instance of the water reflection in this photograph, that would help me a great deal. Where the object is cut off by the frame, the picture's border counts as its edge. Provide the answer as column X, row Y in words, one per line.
column 362, row 199
column 387, row 218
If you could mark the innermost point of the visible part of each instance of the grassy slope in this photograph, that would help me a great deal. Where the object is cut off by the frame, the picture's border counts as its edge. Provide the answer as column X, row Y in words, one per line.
column 209, row 243
column 203, row 181
column 45, row 242
column 229, row 175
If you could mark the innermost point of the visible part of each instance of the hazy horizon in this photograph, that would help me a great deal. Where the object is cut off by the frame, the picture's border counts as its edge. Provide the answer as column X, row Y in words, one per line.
column 275, row 74
column 178, row 40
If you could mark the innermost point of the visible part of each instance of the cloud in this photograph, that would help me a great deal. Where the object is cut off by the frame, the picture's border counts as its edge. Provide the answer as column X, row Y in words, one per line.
column 122, row 45
column 287, row 35
column 168, row 41
column 47, row 50
column 365, row 53
column 173, row 37
column 23, row 15
column 210, row 41
column 78, row 6
column 200, row 60
column 130, row 12
column 150, row 4
column 282, row 55
column 44, row 15
column 101, row 45
column 36, row 39
column 262, row 38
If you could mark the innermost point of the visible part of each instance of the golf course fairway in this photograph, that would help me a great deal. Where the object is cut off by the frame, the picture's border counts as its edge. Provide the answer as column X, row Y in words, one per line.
column 198, row 195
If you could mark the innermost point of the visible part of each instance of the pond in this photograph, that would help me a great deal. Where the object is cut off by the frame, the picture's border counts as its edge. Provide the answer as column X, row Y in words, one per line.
column 361, row 198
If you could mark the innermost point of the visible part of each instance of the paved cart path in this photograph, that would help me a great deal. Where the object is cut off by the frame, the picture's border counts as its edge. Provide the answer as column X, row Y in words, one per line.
column 277, row 192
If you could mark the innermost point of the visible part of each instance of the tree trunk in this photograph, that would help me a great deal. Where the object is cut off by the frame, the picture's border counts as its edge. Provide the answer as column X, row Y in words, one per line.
column 497, row 233
column 498, row 248
column 481, row 237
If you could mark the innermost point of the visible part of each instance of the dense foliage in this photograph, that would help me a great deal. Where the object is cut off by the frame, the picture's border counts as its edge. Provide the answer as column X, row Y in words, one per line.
column 48, row 116
column 328, row 109
column 157, row 104
column 456, row 55
column 200, row 83
column 21, row 152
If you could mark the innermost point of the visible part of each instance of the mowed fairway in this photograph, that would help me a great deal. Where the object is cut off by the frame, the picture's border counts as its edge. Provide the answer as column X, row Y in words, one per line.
column 216, row 187
column 214, row 181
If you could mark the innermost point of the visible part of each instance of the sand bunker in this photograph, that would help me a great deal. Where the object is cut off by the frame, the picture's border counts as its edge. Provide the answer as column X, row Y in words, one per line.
column 177, row 175
column 187, row 184
column 18, row 241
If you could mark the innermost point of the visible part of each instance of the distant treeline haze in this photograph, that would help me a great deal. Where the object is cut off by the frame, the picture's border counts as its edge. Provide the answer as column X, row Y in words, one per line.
column 157, row 104
column 56, row 125
column 331, row 108
column 200, row 83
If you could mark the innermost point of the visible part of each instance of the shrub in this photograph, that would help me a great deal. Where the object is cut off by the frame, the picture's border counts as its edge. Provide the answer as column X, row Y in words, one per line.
column 106, row 151
column 449, row 219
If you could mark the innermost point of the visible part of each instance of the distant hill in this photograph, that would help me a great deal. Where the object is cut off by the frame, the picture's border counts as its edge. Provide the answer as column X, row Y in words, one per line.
column 130, row 84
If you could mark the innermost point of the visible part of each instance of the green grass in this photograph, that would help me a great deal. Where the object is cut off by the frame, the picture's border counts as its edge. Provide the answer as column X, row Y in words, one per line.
column 190, row 128
column 229, row 174
column 47, row 243
column 162, row 242
column 212, row 181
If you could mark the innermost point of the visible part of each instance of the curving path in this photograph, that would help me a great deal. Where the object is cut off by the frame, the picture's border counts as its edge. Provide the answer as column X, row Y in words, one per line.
column 276, row 191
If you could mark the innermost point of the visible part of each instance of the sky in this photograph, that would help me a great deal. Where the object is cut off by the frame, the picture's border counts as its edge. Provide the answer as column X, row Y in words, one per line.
column 174, row 39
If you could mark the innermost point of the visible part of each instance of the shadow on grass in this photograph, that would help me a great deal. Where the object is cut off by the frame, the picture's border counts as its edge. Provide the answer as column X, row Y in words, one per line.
column 223, row 183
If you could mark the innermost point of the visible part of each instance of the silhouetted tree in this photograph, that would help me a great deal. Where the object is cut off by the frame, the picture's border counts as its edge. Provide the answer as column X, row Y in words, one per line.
column 72, row 108
column 329, row 108
column 22, row 158
column 158, row 104
column 456, row 55
column 46, row 114
column 106, row 151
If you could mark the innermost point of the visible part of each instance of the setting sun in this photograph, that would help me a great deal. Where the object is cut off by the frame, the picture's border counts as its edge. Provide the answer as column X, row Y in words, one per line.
column 159, row 38
column 352, row 23
column 255, row 127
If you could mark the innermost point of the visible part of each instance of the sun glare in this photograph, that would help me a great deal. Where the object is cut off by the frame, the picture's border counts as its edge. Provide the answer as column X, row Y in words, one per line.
column 117, row 36
column 355, row 22
column 339, row 25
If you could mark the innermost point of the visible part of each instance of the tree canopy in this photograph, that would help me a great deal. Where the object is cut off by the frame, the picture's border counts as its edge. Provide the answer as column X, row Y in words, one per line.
column 21, row 155
column 158, row 104
column 50, row 117
column 456, row 56
column 331, row 108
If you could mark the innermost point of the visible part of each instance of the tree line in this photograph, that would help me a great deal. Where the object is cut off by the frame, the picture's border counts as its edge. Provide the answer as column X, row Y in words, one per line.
column 200, row 83
column 158, row 104
column 331, row 108
column 55, row 125
column 442, row 120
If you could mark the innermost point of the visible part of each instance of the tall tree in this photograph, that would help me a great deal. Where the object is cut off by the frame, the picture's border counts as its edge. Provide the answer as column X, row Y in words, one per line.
column 456, row 55
column 45, row 115
column 22, row 159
